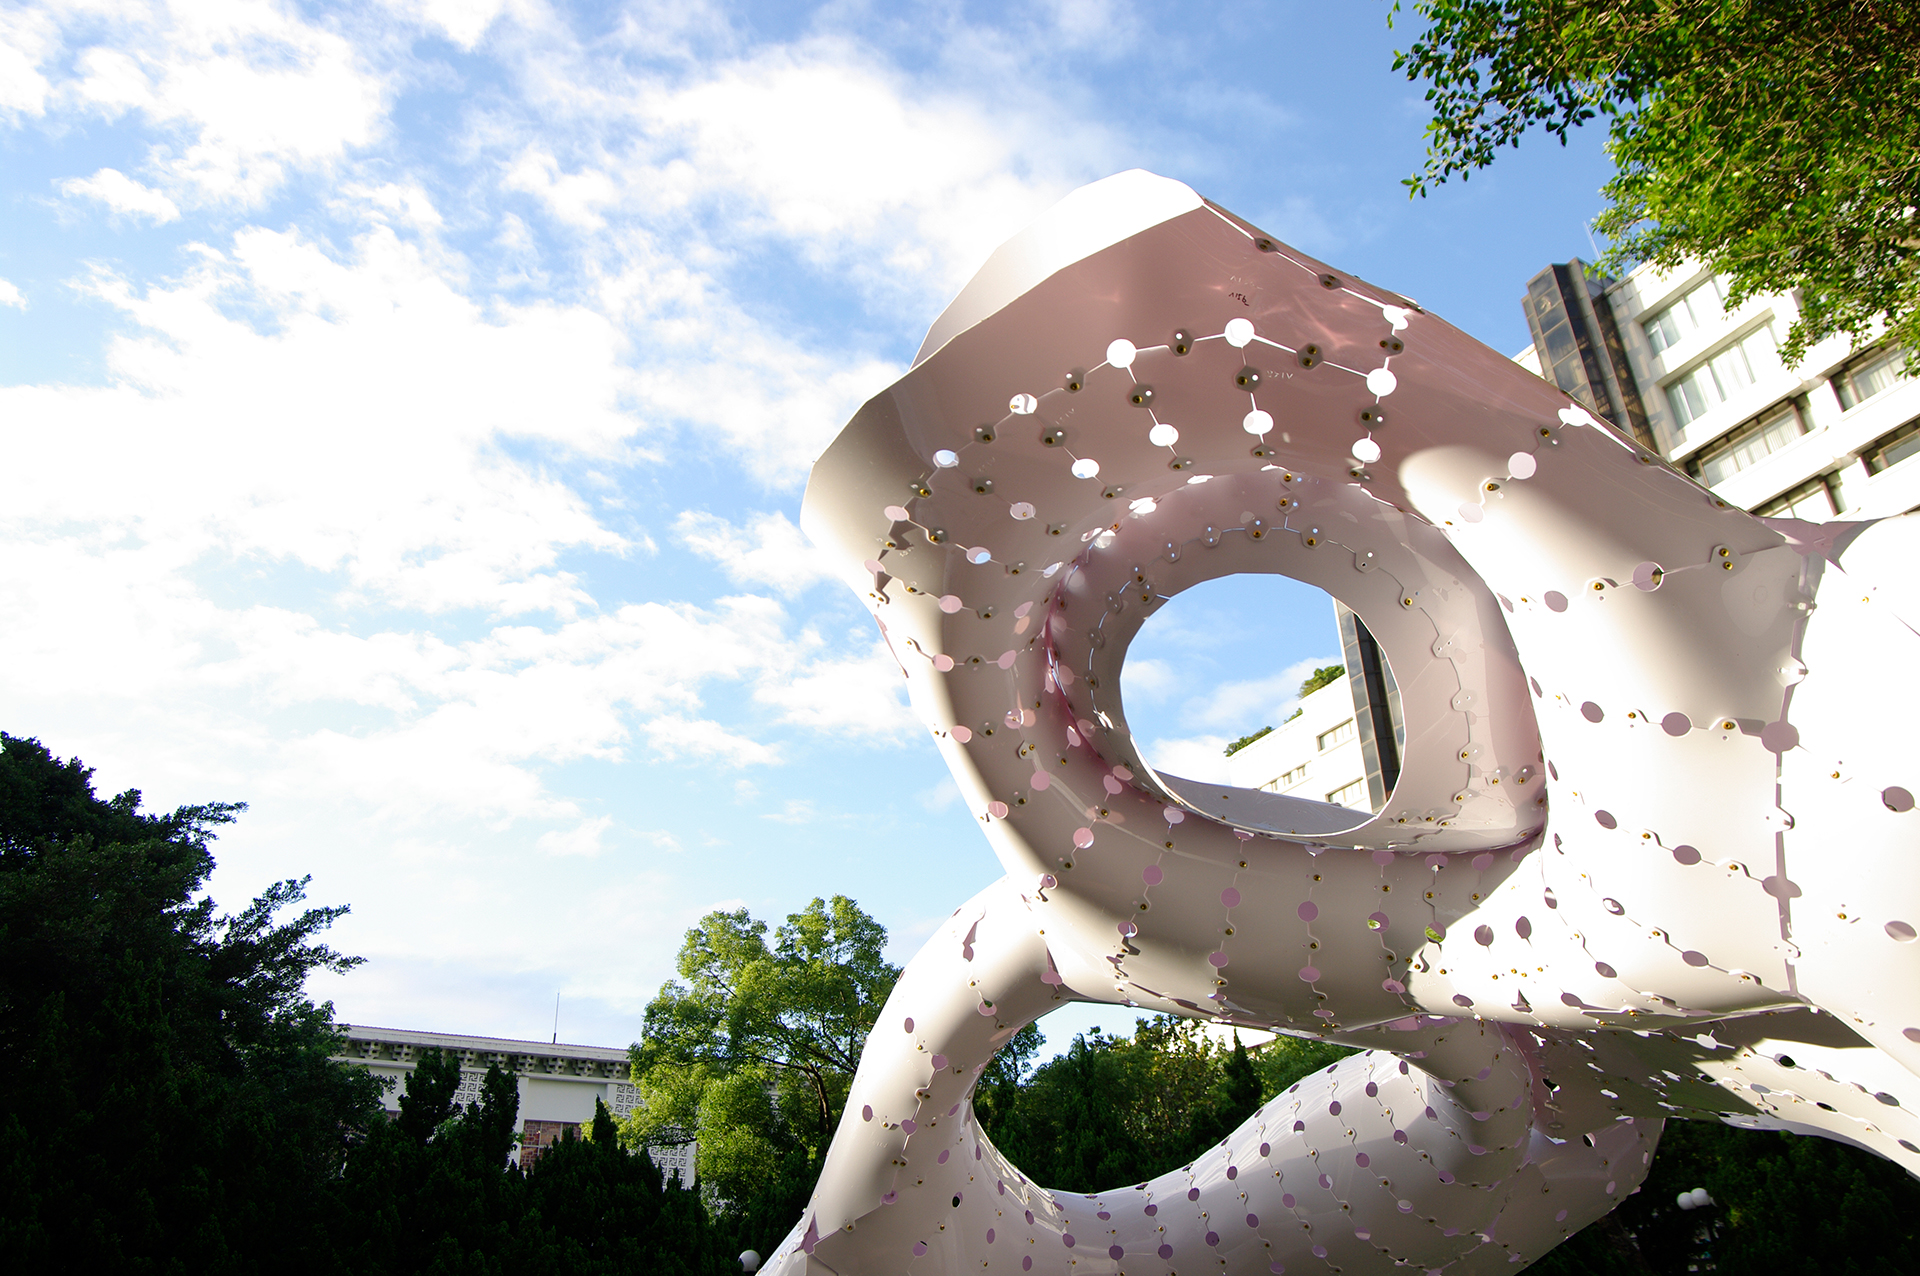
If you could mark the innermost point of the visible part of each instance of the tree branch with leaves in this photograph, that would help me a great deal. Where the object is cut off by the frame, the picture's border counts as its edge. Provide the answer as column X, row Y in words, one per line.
column 1775, row 139
column 755, row 1046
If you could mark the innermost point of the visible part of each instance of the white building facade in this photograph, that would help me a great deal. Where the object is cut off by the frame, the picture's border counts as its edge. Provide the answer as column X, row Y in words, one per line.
column 1661, row 355
column 1343, row 745
column 558, row 1083
column 1315, row 755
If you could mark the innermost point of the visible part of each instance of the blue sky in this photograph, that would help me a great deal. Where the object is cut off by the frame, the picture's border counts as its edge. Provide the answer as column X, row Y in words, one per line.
column 406, row 407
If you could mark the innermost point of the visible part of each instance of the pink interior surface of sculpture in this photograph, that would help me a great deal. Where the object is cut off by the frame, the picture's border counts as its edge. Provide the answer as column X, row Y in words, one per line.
column 1639, row 851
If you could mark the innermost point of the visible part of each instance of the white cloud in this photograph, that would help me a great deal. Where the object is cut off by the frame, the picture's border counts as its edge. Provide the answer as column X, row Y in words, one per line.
column 574, row 198
column 1096, row 25
column 1193, row 757
column 10, row 295
column 940, row 796
column 673, row 736
column 834, row 151
column 1235, row 704
column 463, row 22
column 768, row 551
column 796, row 811
column 775, row 403
column 242, row 93
column 854, row 695
column 123, row 195
column 403, row 203
column 27, row 39
column 674, row 181
column 358, row 431
column 582, row 839
column 1148, row 678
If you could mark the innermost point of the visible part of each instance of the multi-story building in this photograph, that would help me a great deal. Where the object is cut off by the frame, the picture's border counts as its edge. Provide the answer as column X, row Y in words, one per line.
column 1343, row 745
column 558, row 1083
column 1661, row 355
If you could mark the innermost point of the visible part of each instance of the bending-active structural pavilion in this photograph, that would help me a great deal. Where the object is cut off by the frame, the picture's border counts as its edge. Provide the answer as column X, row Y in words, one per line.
column 1651, row 853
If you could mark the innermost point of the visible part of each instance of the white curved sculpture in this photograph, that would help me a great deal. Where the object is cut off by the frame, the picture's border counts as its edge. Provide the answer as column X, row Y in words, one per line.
column 1652, row 852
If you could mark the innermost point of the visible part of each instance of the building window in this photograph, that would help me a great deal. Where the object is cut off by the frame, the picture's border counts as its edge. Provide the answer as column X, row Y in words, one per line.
column 1338, row 735
column 1354, row 794
column 1890, row 449
column 1694, row 311
column 1813, row 500
column 1280, row 783
column 1741, row 447
column 537, row 1136
column 1722, row 377
column 1869, row 377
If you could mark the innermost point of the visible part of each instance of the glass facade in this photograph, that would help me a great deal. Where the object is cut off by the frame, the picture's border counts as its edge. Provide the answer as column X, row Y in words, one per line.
column 1891, row 449
column 1339, row 735
column 1353, row 795
column 1580, row 347
column 1735, row 451
column 1697, row 309
column 1720, row 374
column 1728, row 373
column 1870, row 376
column 1813, row 501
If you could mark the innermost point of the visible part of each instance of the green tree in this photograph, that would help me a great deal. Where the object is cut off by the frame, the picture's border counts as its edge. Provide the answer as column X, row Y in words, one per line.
column 594, row 1209
column 1325, row 675
column 169, row 1097
column 754, row 1049
column 1284, row 1061
column 1775, row 139
column 426, row 1101
column 1784, row 1205
column 999, row 1086
column 433, row 1191
column 1321, row 677
column 1248, row 739
column 1112, row 1110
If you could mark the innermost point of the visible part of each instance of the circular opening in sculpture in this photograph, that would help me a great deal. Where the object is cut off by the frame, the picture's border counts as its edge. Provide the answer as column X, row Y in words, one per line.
column 1262, row 702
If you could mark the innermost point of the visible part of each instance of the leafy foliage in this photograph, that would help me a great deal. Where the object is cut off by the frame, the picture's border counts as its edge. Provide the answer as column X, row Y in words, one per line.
column 168, row 1093
column 1118, row 1110
column 594, row 1209
column 1325, row 675
column 170, row 1102
column 436, row 1192
column 1774, row 138
column 1246, row 740
column 756, row 1050
column 1785, row 1205
column 1321, row 677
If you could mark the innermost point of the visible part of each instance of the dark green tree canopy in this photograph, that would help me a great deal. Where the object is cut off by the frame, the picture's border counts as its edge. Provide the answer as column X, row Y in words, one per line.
column 1775, row 139
column 166, row 1087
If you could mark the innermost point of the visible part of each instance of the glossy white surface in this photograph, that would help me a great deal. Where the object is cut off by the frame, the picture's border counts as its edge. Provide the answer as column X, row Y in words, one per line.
column 1654, row 819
